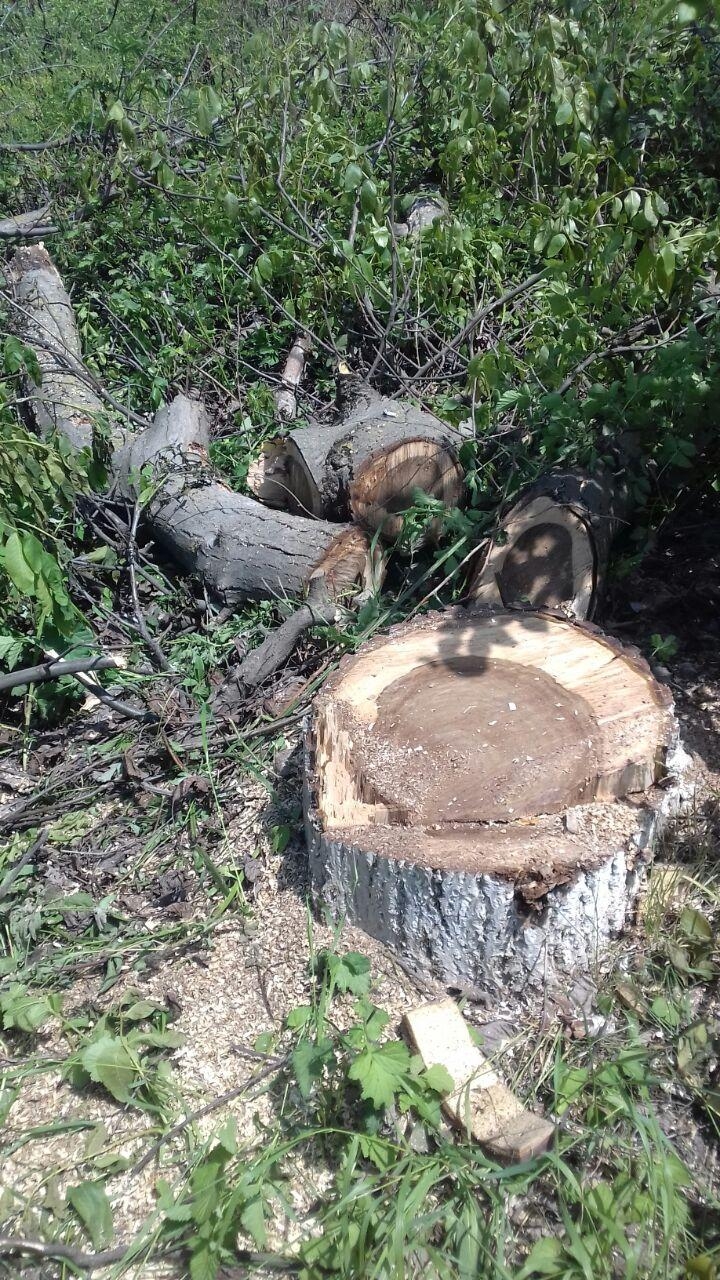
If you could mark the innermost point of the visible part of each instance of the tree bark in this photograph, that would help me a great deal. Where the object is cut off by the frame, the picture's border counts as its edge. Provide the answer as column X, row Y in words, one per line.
column 480, row 793
column 367, row 465
column 552, row 547
column 239, row 548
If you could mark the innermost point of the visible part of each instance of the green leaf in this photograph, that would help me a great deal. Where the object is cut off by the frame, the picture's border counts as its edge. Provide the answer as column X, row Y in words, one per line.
column 632, row 204
column 22, row 1010
column 16, row 566
column 109, row 1062
column 309, row 1061
column 204, row 1262
column 693, row 924
column 253, row 1220
column 544, row 1259
column 381, row 1072
column 564, row 113
column 438, row 1079
column 231, row 205
column 90, row 1202
column 368, row 196
column 298, row 1017
column 500, row 102
column 556, row 244
column 349, row 972
column 207, row 1183
column 353, row 177
column 209, row 108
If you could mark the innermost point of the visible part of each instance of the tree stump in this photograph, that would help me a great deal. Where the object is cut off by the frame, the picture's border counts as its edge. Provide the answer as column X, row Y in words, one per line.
column 481, row 792
column 554, row 545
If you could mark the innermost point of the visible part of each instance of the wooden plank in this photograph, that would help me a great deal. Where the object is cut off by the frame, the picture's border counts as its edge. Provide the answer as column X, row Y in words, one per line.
column 482, row 1106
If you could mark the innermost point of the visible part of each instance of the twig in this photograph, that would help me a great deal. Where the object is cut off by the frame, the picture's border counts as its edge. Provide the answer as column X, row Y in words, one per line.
column 63, row 1252
column 221, row 1101
column 478, row 317
column 50, row 145
column 8, row 881
column 149, row 640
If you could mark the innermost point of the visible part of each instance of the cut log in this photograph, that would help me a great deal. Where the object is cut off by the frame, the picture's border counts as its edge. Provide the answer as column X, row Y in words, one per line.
column 480, row 792
column 552, row 548
column 239, row 548
column 367, row 465
column 481, row 1106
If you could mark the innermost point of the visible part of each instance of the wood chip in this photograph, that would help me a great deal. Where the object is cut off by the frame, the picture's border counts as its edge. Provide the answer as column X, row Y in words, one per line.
column 482, row 1106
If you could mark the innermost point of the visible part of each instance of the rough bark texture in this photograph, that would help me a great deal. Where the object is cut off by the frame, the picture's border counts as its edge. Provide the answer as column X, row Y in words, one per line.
column 239, row 548
column 367, row 465
column 555, row 545
column 493, row 839
column 65, row 401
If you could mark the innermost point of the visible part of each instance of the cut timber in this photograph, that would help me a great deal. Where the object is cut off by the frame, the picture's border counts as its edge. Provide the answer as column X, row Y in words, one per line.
column 481, row 1105
column 480, row 792
column 555, row 545
column 236, row 546
column 367, row 465
column 239, row 548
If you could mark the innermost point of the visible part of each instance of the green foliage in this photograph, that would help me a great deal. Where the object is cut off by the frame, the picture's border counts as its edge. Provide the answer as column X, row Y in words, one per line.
column 127, row 1061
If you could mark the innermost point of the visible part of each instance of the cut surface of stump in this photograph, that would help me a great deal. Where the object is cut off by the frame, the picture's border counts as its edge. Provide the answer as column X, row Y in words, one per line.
column 480, row 788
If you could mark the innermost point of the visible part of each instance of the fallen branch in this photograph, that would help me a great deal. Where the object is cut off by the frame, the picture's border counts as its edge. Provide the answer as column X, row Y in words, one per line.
column 285, row 395
column 28, row 226
column 55, row 668
column 52, row 144
column 318, row 610
column 239, row 549
column 149, row 640
column 9, row 879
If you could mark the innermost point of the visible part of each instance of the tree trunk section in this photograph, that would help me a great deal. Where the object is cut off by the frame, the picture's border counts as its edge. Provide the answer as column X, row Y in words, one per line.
column 239, row 548
column 481, row 793
column 554, row 545
column 367, row 466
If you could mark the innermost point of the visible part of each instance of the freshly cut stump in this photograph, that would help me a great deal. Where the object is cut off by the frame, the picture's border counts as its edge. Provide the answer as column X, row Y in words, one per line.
column 555, row 545
column 481, row 792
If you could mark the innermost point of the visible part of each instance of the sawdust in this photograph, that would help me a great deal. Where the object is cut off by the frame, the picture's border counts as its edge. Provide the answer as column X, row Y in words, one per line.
column 244, row 984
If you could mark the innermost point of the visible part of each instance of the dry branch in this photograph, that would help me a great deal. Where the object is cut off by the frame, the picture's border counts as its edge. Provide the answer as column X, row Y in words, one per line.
column 285, row 395
column 28, row 226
